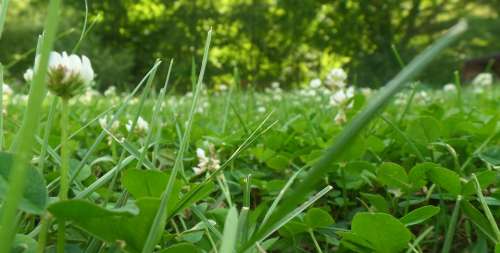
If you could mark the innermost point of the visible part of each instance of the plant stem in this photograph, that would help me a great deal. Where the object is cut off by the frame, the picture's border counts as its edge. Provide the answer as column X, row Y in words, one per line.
column 42, row 237
column 451, row 227
column 64, row 187
column 316, row 244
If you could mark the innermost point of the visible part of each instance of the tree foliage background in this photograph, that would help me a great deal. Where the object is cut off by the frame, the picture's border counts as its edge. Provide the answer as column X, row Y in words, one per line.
column 290, row 41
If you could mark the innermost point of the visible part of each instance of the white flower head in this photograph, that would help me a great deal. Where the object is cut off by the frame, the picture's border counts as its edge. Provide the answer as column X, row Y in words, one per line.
column 7, row 92
column 341, row 97
column 315, row 83
column 222, row 87
column 110, row 91
column 69, row 74
column 104, row 121
column 483, row 80
column 449, row 87
column 28, row 75
column 206, row 163
column 336, row 78
column 275, row 85
column 141, row 126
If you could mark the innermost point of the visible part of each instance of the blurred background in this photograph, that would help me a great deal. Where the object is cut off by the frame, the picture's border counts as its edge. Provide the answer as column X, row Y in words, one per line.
column 288, row 41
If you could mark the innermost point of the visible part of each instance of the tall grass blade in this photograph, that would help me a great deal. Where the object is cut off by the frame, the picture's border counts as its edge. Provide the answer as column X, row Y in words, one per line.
column 3, row 15
column 27, row 132
column 450, row 231
column 155, row 122
column 229, row 236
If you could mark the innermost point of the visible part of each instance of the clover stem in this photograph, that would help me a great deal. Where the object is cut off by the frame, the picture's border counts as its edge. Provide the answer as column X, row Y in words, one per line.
column 42, row 237
column 63, row 191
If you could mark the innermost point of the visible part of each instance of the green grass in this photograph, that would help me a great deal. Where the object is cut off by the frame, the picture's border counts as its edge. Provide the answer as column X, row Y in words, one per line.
column 278, row 173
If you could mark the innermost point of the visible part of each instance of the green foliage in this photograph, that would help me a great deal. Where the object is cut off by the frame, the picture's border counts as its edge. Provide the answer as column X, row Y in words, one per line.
column 287, row 41
column 35, row 196
column 381, row 232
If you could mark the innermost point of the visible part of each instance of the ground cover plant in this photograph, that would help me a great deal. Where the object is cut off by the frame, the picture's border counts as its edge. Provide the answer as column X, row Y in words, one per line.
column 325, row 168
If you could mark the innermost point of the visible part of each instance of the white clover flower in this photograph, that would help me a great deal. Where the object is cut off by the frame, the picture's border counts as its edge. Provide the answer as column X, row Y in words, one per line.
column 336, row 78
column 449, row 87
column 7, row 91
column 315, row 83
column 28, row 75
column 89, row 96
column 483, row 80
column 104, row 123
column 142, row 126
column 69, row 74
column 275, row 85
column 222, row 87
column 206, row 163
column 340, row 97
column 261, row 109
column 422, row 97
column 7, row 94
column 110, row 91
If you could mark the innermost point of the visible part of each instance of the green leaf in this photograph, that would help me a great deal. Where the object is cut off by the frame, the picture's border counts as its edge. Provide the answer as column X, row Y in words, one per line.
column 355, row 243
column 35, row 195
column 446, row 179
column 425, row 129
column 147, row 183
column 355, row 174
column 419, row 215
column 393, row 175
column 418, row 174
column 385, row 233
column 278, row 162
column 377, row 201
column 491, row 155
column 293, row 227
column 182, row 248
column 24, row 244
column 228, row 244
column 129, row 224
column 317, row 218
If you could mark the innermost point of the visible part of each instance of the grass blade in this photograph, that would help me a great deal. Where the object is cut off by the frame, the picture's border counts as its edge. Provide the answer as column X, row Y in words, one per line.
column 161, row 213
column 27, row 132
column 486, row 209
column 3, row 15
column 228, row 244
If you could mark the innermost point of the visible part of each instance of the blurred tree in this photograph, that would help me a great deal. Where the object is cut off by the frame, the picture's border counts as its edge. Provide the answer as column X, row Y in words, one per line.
column 291, row 41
